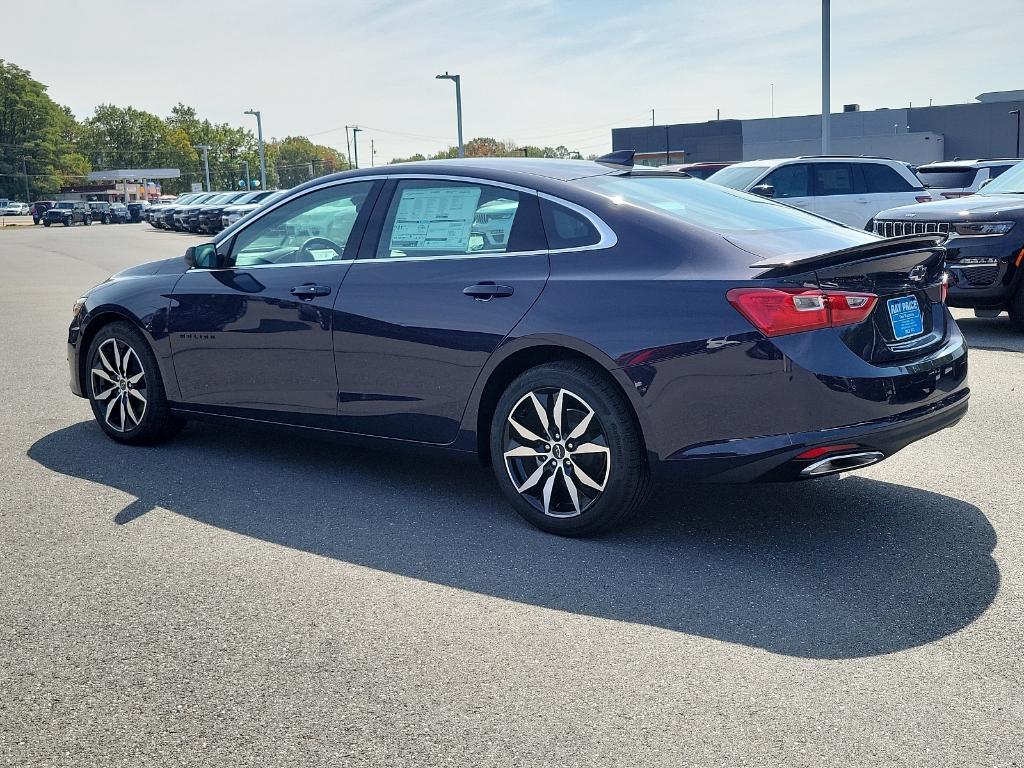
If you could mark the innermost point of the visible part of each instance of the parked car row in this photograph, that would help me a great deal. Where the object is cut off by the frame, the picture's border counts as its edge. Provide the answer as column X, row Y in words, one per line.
column 984, row 243
column 206, row 212
column 68, row 212
column 13, row 208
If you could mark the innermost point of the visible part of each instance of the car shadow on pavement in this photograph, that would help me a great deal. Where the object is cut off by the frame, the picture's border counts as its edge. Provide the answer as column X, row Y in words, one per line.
column 827, row 569
column 995, row 334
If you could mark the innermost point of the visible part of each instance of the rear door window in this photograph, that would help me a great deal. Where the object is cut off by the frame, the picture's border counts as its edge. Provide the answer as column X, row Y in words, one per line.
column 833, row 179
column 790, row 181
column 430, row 218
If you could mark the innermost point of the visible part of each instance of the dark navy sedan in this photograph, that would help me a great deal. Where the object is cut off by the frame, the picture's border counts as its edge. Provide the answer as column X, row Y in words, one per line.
column 584, row 327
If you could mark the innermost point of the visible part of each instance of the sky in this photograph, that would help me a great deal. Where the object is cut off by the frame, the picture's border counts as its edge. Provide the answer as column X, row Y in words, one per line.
column 541, row 72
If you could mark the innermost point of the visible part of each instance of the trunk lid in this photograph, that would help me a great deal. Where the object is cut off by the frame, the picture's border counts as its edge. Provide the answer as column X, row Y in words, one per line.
column 901, row 272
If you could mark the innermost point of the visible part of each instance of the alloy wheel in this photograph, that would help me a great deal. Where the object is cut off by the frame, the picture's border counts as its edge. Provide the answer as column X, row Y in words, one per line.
column 119, row 385
column 556, row 452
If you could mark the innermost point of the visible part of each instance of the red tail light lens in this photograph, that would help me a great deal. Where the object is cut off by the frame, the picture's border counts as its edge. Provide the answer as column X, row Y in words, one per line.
column 944, row 287
column 923, row 198
column 777, row 312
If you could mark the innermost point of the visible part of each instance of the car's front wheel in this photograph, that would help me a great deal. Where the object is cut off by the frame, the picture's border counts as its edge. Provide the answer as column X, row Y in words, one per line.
column 124, row 387
column 567, row 451
column 1016, row 308
column 46, row 223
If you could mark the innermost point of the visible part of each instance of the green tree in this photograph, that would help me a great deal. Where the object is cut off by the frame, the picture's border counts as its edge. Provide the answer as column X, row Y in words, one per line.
column 297, row 159
column 37, row 135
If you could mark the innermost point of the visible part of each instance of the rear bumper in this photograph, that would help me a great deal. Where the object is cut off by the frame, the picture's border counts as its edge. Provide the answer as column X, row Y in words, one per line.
column 773, row 457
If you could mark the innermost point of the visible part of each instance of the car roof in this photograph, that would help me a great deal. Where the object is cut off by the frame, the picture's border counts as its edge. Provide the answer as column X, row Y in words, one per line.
column 968, row 163
column 499, row 168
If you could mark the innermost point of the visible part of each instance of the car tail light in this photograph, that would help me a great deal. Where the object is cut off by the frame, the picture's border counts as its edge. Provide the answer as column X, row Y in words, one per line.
column 923, row 198
column 944, row 286
column 951, row 195
column 777, row 312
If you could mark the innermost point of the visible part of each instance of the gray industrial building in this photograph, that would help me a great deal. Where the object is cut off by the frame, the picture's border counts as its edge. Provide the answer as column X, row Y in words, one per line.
column 982, row 128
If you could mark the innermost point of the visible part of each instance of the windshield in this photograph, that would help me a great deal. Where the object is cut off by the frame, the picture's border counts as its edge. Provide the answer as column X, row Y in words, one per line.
column 1009, row 183
column 65, row 205
column 939, row 178
column 738, row 176
column 705, row 205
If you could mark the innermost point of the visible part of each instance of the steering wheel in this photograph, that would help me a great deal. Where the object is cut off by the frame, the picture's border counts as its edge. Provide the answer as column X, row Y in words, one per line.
column 322, row 242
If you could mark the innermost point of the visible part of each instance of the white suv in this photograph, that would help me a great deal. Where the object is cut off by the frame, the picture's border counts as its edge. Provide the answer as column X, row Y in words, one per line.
column 850, row 190
column 960, row 178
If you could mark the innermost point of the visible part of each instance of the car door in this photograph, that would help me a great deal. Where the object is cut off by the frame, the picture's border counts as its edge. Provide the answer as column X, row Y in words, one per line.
column 790, row 184
column 256, row 331
column 452, row 267
column 836, row 195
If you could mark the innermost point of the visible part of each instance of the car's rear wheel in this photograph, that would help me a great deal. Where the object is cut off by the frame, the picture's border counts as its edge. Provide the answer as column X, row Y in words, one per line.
column 566, row 450
column 124, row 387
column 67, row 222
column 46, row 223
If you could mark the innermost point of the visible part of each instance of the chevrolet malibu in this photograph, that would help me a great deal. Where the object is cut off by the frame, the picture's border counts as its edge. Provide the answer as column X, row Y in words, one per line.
column 584, row 327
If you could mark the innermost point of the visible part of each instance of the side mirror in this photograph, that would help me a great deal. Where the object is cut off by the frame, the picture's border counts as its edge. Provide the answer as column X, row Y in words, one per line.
column 203, row 256
column 764, row 190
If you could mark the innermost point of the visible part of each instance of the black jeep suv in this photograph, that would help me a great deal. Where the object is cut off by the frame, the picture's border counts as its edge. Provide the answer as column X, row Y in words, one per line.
column 985, row 245
column 67, row 213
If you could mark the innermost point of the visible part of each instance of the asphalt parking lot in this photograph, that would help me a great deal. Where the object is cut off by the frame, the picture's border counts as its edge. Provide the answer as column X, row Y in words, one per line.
column 239, row 598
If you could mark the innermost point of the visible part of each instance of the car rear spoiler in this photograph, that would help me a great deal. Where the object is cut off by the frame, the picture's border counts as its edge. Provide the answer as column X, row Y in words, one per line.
column 849, row 256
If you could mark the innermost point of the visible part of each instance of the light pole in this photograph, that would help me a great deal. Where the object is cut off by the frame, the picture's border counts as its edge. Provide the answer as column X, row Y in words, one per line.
column 825, row 32
column 355, row 144
column 1011, row 112
column 206, row 162
column 771, row 89
column 24, row 171
column 373, row 154
column 248, row 178
column 259, row 136
column 457, row 79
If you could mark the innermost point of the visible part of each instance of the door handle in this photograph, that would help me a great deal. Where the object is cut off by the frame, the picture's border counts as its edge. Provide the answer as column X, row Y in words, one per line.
column 487, row 290
column 309, row 291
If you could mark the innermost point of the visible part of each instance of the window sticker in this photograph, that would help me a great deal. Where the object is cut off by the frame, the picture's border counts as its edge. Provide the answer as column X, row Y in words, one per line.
column 435, row 219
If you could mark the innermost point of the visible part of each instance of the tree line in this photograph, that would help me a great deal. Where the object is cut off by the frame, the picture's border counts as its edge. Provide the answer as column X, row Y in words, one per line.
column 43, row 147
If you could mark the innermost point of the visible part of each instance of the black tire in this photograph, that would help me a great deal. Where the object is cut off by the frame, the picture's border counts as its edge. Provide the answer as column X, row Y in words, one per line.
column 67, row 222
column 568, row 502
column 133, row 379
column 46, row 223
column 1016, row 308
column 104, row 220
column 87, row 220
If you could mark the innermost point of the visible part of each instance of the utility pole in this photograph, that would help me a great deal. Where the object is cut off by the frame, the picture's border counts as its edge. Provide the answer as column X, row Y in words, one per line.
column 457, row 79
column 348, row 150
column 28, row 199
column 771, row 88
column 652, row 118
column 355, row 144
column 373, row 153
column 826, row 132
column 206, row 162
column 1012, row 112
column 259, row 136
column 248, row 178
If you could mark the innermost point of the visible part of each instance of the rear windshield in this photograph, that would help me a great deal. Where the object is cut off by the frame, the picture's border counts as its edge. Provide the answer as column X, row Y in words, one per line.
column 942, row 178
column 703, row 204
column 1009, row 183
column 737, row 176
column 65, row 205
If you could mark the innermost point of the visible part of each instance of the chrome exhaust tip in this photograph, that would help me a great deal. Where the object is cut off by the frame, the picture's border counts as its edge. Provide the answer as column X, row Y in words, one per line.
column 842, row 462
